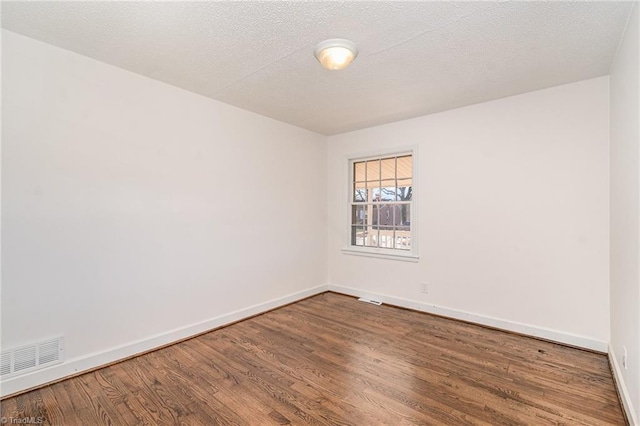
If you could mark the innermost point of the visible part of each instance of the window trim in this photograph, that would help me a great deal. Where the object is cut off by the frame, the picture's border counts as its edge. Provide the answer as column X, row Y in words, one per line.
column 382, row 253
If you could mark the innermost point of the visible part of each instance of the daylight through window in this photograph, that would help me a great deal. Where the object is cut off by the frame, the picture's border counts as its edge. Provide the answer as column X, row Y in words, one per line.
column 381, row 196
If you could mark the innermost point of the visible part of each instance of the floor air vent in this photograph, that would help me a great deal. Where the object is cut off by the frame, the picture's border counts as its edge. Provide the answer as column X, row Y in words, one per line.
column 373, row 302
column 24, row 359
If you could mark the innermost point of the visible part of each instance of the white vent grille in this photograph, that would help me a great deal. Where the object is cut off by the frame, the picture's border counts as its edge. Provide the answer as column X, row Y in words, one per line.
column 32, row 357
column 24, row 359
column 49, row 352
column 6, row 363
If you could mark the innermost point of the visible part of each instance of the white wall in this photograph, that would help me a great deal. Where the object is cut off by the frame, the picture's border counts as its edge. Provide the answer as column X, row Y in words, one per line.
column 625, row 215
column 131, row 208
column 513, row 214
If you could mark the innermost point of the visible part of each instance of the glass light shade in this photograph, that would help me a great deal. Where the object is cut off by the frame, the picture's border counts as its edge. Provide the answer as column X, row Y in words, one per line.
column 336, row 54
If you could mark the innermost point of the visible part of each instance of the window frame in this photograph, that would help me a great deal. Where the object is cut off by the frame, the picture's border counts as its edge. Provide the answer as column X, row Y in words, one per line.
column 384, row 253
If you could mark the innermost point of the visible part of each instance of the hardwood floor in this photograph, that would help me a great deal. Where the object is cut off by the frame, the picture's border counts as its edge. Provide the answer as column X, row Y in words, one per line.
column 331, row 360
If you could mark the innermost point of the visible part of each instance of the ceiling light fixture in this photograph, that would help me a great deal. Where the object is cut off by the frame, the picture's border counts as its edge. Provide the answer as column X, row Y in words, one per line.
column 336, row 53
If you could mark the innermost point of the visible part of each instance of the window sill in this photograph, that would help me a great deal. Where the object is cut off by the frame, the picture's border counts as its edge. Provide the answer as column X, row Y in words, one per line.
column 381, row 254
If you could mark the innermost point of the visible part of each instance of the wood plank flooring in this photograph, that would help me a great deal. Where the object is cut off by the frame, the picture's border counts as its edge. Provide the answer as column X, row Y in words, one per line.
column 331, row 360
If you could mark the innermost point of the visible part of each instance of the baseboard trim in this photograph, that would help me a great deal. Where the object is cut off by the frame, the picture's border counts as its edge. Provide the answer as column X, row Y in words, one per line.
column 623, row 393
column 73, row 367
column 512, row 326
column 80, row 365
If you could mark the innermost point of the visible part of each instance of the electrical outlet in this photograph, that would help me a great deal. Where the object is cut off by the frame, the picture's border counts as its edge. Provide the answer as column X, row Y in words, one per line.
column 424, row 287
column 624, row 357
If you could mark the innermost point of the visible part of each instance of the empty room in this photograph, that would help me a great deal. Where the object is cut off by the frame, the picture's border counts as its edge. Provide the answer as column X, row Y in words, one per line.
column 324, row 213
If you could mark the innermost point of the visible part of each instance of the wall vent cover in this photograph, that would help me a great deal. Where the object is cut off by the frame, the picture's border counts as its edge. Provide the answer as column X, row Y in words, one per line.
column 18, row 361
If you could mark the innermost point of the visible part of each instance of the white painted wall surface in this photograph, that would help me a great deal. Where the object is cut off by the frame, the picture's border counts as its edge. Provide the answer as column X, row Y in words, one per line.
column 131, row 207
column 513, row 213
column 625, row 214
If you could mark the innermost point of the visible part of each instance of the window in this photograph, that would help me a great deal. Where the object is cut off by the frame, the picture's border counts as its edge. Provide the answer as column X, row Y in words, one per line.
column 380, row 205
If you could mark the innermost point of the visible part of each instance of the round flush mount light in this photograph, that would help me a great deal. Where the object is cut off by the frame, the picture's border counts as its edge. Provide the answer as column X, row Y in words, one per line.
column 336, row 53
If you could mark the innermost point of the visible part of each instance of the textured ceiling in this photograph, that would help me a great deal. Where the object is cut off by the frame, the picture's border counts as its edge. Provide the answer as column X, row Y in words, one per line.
column 415, row 58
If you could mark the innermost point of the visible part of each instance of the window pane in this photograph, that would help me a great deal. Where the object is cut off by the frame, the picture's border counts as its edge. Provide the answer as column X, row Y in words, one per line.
column 388, row 168
column 371, row 237
column 359, row 215
column 359, row 193
column 388, row 191
column 373, row 170
column 375, row 215
column 357, row 236
column 405, row 215
column 397, row 215
column 387, row 237
column 403, row 238
column 405, row 190
column 376, row 194
column 358, row 172
column 385, row 214
column 405, row 167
